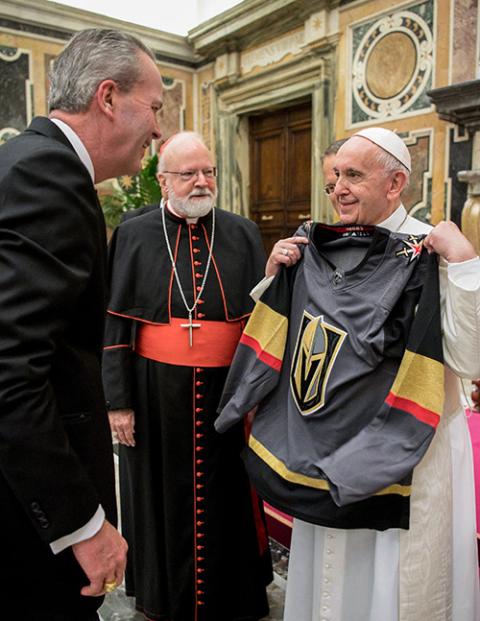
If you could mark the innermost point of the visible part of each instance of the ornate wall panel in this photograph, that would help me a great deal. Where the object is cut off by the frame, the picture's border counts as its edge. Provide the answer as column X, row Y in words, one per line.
column 206, row 122
column 460, row 145
column 16, row 88
column 417, row 198
column 273, row 52
column 464, row 45
column 173, row 111
column 391, row 57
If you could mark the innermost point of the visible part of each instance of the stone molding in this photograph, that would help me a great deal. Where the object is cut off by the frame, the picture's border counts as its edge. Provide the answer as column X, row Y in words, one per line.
column 40, row 13
column 272, row 52
column 472, row 177
column 307, row 75
column 459, row 104
column 251, row 23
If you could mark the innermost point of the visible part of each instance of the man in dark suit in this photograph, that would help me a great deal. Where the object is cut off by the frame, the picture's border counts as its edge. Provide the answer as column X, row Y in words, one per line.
column 59, row 550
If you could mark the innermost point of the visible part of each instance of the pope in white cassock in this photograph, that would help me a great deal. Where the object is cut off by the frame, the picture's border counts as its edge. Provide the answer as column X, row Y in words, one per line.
column 428, row 572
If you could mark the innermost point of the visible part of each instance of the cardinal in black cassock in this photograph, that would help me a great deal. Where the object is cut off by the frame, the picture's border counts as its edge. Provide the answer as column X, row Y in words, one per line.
column 195, row 527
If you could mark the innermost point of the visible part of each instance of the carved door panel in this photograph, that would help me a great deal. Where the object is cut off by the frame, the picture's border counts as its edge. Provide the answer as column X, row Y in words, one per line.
column 280, row 171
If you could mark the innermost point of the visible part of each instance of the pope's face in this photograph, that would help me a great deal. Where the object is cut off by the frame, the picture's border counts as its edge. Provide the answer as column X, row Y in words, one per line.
column 362, row 184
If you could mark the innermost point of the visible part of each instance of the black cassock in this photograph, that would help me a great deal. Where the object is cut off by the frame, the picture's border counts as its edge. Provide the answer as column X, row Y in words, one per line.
column 196, row 531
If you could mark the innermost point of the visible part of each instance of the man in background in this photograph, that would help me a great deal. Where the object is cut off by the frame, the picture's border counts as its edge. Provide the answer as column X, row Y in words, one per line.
column 60, row 551
column 328, row 168
column 180, row 278
column 289, row 247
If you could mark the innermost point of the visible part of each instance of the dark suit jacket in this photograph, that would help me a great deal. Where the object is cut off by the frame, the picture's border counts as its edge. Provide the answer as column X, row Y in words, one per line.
column 55, row 446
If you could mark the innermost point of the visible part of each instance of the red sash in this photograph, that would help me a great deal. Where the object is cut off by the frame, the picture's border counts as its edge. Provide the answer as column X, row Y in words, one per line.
column 214, row 343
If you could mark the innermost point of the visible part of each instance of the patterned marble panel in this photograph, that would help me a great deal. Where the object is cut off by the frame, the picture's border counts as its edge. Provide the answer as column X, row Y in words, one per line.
column 173, row 111
column 47, row 61
column 392, row 58
column 460, row 158
column 206, row 114
column 464, row 45
column 16, row 109
column 417, row 198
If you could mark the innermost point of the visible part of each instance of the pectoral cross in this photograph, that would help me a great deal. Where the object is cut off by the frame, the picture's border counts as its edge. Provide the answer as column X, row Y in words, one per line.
column 190, row 325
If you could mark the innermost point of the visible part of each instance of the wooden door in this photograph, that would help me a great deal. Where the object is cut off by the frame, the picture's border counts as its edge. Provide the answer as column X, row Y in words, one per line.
column 280, row 170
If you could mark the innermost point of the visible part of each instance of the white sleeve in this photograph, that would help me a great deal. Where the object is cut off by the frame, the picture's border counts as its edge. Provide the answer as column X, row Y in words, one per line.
column 261, row 287
column 460, row 302
column 90, row 529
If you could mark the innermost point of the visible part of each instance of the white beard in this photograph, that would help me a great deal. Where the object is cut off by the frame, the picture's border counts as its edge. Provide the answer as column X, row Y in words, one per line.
column 189, row 207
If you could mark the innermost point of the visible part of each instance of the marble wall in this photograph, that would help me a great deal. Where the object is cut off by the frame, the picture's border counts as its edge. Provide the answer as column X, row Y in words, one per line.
column 26, row 53
column 465, row 61
column 389, row 59
column 174, row 101
column 16, row 87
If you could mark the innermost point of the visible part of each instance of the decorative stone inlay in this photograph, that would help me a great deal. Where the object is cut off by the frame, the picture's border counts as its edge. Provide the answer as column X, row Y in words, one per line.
column 273, row 52
column 392, row 65
column 383, row 83
column 458, row 157
column 206, row 114
column 417, row 197
column 9, row 53
column 465, row 27
column 6, row 133
column 15, row 86
column 172, row 113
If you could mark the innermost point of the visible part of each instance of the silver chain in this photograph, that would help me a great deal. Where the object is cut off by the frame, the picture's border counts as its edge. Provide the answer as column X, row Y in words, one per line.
column 170, row 254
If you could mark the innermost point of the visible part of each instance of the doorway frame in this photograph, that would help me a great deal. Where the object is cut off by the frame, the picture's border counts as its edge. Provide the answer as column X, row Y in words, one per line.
column 310, row 75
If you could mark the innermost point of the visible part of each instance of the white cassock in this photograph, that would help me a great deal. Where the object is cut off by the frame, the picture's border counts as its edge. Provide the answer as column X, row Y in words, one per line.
column 429, row 572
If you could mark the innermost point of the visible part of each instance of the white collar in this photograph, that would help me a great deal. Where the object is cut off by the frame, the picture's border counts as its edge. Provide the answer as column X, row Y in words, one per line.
column 78, row 146
column 395, row 221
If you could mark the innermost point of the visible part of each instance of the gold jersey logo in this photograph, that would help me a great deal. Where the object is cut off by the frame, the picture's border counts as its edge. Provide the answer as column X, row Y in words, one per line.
column 318, row 344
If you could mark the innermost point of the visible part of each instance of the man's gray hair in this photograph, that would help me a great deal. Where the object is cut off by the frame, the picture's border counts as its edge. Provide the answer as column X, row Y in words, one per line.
column 390, row 164
column 172, row 143
column 92, row 56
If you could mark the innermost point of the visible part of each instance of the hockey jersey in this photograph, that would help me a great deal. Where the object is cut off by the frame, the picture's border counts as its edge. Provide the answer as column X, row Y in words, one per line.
column 343, row 356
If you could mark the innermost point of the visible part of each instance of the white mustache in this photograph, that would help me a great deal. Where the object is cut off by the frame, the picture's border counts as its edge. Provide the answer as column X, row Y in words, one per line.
column 201, row 192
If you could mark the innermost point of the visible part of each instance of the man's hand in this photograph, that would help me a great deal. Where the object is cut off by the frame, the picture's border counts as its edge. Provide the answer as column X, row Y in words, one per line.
column 476, row 395
column 284, row 252
column 103, row 558
column 448, row 241
column 122, row 424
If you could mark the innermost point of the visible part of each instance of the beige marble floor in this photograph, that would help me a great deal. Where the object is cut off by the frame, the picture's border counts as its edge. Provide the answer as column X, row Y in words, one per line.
column 119, row 607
